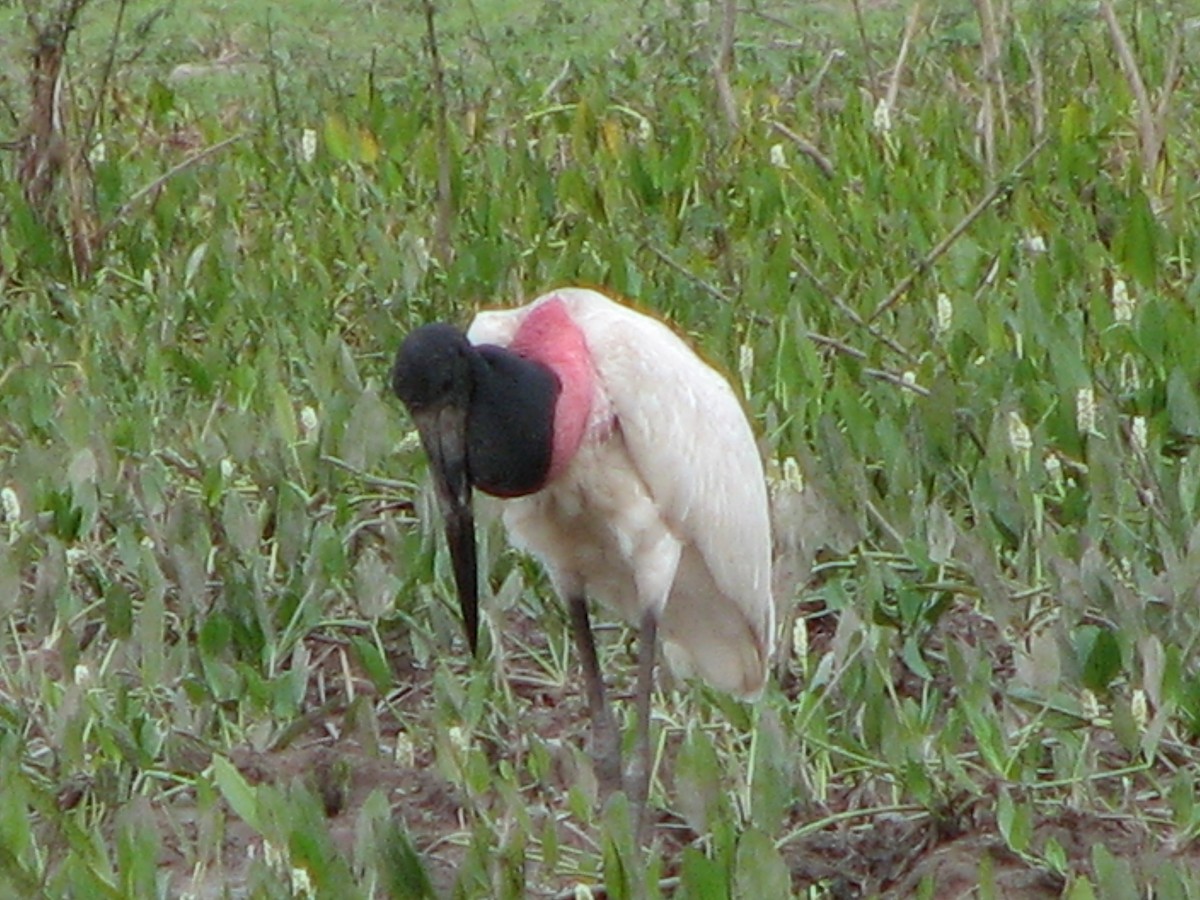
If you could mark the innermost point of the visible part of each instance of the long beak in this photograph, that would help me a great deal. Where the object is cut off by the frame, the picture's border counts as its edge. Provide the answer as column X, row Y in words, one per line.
column 444, row 436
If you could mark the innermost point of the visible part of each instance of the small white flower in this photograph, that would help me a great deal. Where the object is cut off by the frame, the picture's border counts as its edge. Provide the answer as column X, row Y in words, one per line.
column 800, row 640
column 227, row 468
column 274, row 857
column 778, row 158
column 10, row 506
column 302, row 885
column 1033, row 243
column 405, row 753
column 1137, row 708
column 83, row 675
column 945, row 313
column 421, row 252
column 99, row 151
column 909, row 377
column 791, row 474
column 1131, row 377
column 75, row 555
column 1019, row 437
column 1138, row 432
column 1122, row 302
column 882, row 118
column 309, row 423
column 148, row 542
column 1054, row 469
column 308, row 145
column 745, row 367
column 1085, row 410
column 459, row 739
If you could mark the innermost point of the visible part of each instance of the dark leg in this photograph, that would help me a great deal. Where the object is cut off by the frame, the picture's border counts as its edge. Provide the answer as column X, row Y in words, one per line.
column 606, row 740
column 642, row 763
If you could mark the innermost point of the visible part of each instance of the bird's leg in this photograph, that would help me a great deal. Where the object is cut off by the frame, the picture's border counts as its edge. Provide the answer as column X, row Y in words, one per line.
column 642, row 763
column 606, row 740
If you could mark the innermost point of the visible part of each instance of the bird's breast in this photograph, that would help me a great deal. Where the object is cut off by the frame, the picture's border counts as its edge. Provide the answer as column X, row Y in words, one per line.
column 591, row 526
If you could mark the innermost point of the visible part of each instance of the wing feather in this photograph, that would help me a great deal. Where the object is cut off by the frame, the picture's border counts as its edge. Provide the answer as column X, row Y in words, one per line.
column 690, row 440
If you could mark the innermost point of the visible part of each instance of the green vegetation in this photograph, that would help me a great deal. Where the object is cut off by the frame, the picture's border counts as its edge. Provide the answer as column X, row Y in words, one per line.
column 230, row 663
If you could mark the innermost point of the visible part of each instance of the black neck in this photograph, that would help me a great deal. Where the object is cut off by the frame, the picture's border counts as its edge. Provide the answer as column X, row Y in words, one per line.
column 510, row 423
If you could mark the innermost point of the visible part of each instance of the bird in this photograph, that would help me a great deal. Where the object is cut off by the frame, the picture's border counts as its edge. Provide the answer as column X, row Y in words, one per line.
column 626, row 464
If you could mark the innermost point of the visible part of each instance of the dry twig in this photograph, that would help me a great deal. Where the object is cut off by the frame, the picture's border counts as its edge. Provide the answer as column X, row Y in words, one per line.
column 442, row 250
column 910, row 29
column 1152, row 119
column 998, row 189
column 808, row 149
column 156, row 185
column 723, row 63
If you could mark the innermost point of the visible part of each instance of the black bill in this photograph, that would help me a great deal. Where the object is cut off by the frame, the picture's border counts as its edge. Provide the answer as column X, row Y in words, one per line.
column 444, row 436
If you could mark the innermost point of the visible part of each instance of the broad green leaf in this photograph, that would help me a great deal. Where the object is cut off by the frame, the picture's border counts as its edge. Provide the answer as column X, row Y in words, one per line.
column 402, row 871
column 373, row 662
column 1101, row 659
column 337, row 138
column 1113, row 874
column 118, row 608
column 771, row 783
column 238, row 793
column 702, row 878
column 1015, row 821
column 760, row 869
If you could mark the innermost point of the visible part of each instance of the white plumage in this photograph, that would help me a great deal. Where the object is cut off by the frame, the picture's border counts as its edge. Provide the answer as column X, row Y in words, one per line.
column 664, row 507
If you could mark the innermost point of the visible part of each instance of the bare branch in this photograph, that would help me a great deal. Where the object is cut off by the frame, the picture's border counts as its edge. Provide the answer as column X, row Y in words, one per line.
column 910, row 29
column 845, row 309
column 1038, row 88
column 987, row 112
column 808, row 149
column 816, row 337
column 998, row 189
column 442, row 249
column 1148, row 132
column 872, row 69
column 156, row 185
column 723, row 63
column 814, row 84
column 105, row 75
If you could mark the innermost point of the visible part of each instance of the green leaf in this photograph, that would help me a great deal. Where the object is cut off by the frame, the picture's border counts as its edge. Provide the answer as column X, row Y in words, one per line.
column 1183, row 406
column 1101, row 660
column 1015, row 821
column 761, row 871
column 338, row 139
column 403, row 872
column 698, row 781
column 1136, row 244
column 118, row 610
column 285, row 415
column 238, row 793
column 1113, row 874
column 770, row 787
column 160, row 99
column 373, row 661
column 702, row 878
column 620, row 850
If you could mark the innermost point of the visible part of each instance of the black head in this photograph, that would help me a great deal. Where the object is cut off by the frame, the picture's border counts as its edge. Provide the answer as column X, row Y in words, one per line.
column 486, row 419
column 432, row 368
